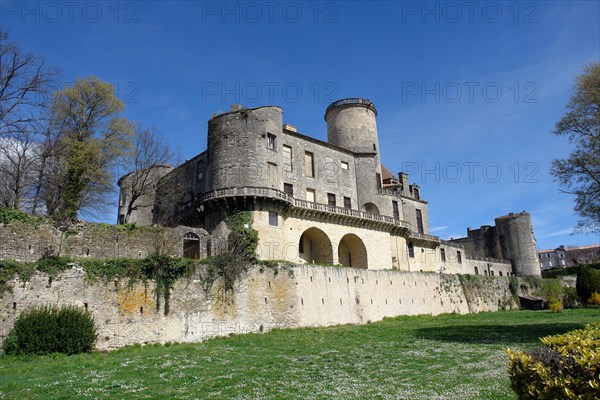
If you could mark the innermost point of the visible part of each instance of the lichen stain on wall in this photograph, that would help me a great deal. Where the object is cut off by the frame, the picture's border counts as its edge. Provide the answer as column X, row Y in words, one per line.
column 224, row 304
column 135, row 301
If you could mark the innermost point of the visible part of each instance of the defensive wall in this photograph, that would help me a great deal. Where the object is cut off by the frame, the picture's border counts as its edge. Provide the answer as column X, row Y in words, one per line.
column 263, row 299
column 29, row 242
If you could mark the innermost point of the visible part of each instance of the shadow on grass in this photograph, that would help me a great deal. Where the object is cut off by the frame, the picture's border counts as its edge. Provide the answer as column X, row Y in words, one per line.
column 495, row 334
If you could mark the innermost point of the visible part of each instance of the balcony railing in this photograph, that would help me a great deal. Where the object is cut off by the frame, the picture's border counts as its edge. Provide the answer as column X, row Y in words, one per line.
column 248, row 191
column 424, row 236
column 303, row 204
column 488, row 259
column 350, row 212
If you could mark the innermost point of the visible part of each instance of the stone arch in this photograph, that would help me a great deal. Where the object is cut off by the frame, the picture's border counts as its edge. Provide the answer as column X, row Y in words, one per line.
column 191, row 245
column 315, row 247
column 371, row 208
column 352, row 251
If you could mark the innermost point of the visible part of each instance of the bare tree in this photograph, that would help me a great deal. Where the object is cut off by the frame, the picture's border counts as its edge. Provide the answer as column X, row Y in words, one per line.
column 25, row 84
column 150, row 153
column 19, row 158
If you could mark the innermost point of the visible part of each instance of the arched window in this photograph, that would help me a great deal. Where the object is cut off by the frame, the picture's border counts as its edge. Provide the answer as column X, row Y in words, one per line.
column 191, row 245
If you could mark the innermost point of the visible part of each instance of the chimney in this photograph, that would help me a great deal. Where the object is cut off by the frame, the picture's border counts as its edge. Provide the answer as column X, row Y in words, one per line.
column 404, row 181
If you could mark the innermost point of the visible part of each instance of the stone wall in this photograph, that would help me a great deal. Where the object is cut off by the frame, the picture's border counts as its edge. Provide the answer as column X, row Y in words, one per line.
column 24, row 242
column 263, row 299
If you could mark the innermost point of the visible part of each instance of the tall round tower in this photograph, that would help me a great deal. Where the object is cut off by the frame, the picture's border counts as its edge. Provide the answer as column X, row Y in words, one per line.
column 517, row 243
column 351, row 124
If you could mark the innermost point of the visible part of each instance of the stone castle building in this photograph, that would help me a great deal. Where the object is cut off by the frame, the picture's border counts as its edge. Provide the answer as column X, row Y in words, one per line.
column 319, row 202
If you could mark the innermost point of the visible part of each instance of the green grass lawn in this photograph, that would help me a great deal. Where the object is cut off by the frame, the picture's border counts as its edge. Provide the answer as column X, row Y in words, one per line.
column 443, row 357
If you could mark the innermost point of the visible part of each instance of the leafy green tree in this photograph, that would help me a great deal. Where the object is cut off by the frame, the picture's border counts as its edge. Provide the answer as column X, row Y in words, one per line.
column 91, row 139
column 579, row 174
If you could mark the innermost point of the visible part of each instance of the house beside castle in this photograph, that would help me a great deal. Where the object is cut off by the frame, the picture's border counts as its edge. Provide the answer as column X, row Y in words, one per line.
column 320, row 202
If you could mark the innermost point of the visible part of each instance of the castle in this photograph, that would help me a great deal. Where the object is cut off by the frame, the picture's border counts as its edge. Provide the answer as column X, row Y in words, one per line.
column 319, row 202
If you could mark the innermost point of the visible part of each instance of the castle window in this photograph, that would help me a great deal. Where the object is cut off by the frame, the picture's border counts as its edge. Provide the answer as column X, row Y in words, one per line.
column 344, row 165
column 310, row 195
column 309, row 164
column 378, row 180
column 443, row 254
column 121, row 219
column 347, row 202
column 548, row 255
column 273, row 218
column 476, row 271
column 395, row 210
column 271, row 143
column 459, row 257
column 288, row 188
column 420, row 221
column 191, row 245
column 287, row 158
column 500, row 273
column 200, row 171
column 374, row 147
column 411, row 250
column 331, row 199
column 416, row 194
column 123, row 196
column 272, row 171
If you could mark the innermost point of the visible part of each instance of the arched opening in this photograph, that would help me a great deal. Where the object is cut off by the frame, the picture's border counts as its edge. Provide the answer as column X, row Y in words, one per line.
column 191, row 245
column 352, row 252
column 315, row 247
column 371, row 208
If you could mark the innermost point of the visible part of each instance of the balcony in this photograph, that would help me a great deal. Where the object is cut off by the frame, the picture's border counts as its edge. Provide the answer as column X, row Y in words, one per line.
column 305, row 207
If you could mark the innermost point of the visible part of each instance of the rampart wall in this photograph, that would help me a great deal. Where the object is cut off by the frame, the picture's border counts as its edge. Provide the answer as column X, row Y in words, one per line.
column 263, row 299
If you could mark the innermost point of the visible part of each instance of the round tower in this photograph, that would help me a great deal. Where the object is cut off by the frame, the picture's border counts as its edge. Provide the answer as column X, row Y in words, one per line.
column 351, row 124
column 517, row 243
column 240, row 146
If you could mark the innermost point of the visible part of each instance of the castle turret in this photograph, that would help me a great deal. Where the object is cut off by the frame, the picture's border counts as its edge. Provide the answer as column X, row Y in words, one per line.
column 241, row 145
column 515, row 234
column 351, row 124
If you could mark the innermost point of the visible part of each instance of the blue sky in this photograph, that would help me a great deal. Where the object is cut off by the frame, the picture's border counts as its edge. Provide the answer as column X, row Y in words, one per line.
column 467, row 92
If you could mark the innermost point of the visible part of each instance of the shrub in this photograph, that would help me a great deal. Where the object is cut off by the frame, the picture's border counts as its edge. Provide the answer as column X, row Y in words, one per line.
column 566, row 367
column 553, row 292
column 570, row 299
column 9, row 215
column 49, row 329
column 594, row 299
column 555, row 306
column 588, row 282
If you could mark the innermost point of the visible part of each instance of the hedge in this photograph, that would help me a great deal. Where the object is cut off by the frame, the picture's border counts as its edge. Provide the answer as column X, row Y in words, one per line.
column 566, row 367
